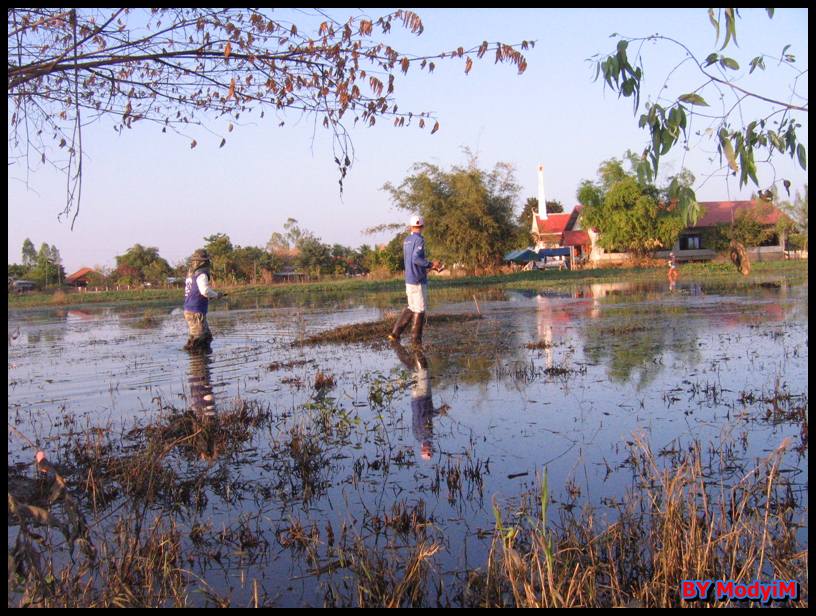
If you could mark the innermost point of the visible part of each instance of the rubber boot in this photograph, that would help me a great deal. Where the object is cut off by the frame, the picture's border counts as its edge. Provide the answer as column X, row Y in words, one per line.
column 402, row 322
column 416, row 328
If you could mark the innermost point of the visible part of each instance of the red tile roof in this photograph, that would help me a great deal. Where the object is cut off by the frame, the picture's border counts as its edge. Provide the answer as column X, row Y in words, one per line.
column 554, row 223
column 575, row 238
column 725, row 212
column 79, row 274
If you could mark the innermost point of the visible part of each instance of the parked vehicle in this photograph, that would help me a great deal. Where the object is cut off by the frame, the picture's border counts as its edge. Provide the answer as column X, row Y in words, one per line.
column 21, row 286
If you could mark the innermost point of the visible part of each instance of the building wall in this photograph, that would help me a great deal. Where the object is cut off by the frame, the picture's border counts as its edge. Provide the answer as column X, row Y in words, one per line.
column 599, row 256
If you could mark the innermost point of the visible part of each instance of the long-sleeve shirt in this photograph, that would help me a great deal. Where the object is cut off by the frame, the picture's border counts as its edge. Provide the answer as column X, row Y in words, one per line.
column 416, row 265
column 203, row 284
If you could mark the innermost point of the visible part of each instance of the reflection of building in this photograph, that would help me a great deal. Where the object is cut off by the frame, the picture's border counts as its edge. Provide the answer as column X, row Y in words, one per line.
column 604, row 289
column 554, row 314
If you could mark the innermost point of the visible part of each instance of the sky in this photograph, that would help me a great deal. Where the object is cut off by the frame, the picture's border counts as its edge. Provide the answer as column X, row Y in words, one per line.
column 151, row 188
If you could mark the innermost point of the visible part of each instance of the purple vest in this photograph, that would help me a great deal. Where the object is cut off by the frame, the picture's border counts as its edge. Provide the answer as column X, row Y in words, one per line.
column 193, row 300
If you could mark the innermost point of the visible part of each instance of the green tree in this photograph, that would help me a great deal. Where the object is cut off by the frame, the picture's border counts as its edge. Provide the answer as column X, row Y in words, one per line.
column 249, row 263
column 313, row 256
column 468, row 211
column 179, row 67
column 156, row 272
column 17, row 271
column 742, row 137
column 796, row 227
column 141, row 264
column 386, row 259
column 29, row 253
column 56, row 260
column 630, row 216
column 221, row 251
column 301, row 248
column 44, row 271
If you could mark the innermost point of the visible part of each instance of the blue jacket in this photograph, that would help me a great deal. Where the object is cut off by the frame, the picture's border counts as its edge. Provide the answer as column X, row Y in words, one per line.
column 416, row 265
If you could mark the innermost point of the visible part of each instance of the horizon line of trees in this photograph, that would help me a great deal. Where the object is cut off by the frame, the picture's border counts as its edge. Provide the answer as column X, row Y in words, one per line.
column 470, row 220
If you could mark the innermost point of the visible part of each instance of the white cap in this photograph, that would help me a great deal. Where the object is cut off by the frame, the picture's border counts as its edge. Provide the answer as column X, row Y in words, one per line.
column 416, row 221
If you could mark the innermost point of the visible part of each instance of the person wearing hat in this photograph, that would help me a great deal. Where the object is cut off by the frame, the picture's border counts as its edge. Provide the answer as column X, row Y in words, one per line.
column 416, row 283
column 197, row 296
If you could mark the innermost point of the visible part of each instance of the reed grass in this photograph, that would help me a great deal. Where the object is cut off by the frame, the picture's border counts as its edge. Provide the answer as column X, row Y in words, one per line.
column 119, row 533
column 675, row 525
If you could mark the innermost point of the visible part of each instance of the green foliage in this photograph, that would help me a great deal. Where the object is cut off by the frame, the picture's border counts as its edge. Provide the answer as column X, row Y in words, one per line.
column 387, row 259
column 141, row 264
column 748, row 230
column 468, row 211
column 17, row 271
column 45, row 266
column 29, row 253
column 629, row 215
column 740, row 145
column 314, row 257
column 796, row 226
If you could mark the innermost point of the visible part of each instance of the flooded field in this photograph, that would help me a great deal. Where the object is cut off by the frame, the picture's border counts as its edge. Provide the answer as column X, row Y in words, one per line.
column 292, row 472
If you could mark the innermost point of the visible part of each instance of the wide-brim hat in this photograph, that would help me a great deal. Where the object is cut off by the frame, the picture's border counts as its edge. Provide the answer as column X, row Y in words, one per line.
column 200, row 256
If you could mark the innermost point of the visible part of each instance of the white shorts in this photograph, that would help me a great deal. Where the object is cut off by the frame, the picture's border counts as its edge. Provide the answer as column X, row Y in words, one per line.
column 417, row 297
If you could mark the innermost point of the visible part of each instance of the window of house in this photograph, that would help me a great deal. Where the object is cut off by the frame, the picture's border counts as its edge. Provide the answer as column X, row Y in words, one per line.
column 690, row 242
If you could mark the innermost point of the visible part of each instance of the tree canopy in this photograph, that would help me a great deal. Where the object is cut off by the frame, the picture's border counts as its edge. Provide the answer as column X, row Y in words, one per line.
column 744, row 136
column 141, row 264
column 469, row 212
column 630, row 215
column 176, row 67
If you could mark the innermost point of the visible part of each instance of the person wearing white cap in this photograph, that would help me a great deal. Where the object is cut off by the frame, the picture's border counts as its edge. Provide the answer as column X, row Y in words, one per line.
column 416, row 283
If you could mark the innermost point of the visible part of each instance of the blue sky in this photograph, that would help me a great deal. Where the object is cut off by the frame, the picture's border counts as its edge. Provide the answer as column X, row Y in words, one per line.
column 151, row 188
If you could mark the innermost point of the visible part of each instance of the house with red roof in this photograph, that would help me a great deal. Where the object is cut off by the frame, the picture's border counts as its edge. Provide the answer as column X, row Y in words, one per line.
column 559, row 230
column 694, row 243
column 80, row 277
column 564, row 229
column 691, row 245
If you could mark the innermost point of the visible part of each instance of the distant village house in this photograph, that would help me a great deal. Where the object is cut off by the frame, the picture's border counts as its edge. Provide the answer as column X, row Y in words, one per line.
column 695, row 243
column 81, row 278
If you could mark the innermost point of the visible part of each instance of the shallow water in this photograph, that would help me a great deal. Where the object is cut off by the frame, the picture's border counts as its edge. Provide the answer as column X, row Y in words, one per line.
column 475, row 418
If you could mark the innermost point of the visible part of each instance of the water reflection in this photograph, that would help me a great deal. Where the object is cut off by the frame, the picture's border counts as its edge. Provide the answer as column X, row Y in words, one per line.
column 202, row 405
column 422, row 406
column 290, row 465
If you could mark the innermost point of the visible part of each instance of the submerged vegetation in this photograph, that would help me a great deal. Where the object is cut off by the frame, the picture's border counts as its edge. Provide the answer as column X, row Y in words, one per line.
column 546, row 449
column 123, row 522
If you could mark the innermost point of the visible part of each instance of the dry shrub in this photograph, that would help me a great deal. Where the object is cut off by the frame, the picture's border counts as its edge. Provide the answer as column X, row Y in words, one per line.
column 59, row 298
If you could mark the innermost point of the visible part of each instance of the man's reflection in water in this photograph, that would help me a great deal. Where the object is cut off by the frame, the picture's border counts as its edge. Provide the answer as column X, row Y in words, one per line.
column 202, row 405
column 422, row 408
